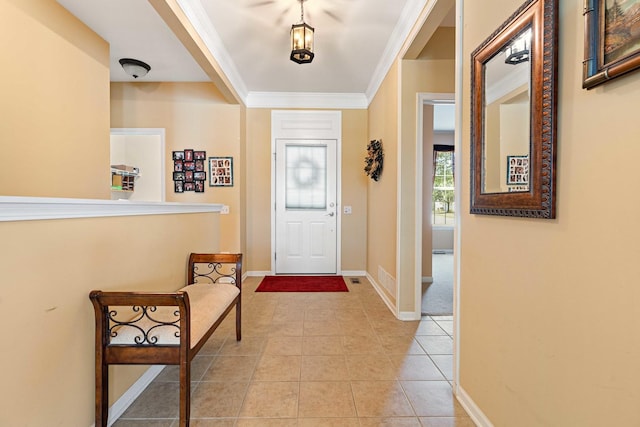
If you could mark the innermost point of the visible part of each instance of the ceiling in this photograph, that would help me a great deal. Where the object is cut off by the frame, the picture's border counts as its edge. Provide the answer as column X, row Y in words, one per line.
column 355, row 42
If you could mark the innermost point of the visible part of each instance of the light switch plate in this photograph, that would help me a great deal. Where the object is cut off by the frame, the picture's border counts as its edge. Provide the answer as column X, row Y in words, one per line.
column 225, row 210
column 347, row 210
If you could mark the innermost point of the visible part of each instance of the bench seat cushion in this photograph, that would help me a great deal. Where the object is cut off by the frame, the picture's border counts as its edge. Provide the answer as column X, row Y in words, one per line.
column 207, row 303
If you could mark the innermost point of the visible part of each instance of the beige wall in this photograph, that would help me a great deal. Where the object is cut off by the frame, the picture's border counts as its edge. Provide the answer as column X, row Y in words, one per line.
column 383, row 195
column 54, row 136
column 354, row 191
column 418, row 76
column 55, row 132
column 194, row 115
column 47, row 271
column 549, row 308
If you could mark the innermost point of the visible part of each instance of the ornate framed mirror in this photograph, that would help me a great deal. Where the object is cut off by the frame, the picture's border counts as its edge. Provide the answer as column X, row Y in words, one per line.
column 513, row 115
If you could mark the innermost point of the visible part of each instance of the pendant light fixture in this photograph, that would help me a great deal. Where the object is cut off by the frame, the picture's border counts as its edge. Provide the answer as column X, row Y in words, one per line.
column 518, row 51
column 301, row 40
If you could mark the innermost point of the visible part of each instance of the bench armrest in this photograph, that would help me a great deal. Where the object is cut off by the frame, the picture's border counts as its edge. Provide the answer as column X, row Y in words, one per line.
column 141, row 318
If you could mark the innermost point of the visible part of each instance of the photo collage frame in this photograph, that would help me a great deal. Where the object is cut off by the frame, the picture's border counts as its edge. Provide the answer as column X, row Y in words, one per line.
column 220, row 171
column 189, row 173
column 518, row 172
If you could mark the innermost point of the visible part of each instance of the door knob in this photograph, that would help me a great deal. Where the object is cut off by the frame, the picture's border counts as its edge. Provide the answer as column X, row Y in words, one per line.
column 330, row 214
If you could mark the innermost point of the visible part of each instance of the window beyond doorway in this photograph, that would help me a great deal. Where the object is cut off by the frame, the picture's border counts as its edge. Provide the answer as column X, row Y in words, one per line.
column 443, row 207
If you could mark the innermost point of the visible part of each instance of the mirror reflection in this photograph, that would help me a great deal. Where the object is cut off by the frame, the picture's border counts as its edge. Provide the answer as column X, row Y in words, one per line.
column 507, row 114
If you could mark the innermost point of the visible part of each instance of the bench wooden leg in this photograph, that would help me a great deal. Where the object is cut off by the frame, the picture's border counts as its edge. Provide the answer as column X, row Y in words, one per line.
column 185, row 393
column 102, row 393
column 238, row 323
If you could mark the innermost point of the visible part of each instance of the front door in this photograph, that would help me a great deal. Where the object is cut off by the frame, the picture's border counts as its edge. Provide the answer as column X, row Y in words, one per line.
column 306, row 206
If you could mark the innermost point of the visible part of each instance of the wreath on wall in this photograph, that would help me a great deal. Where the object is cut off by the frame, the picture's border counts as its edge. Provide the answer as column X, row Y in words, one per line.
column 374, row 159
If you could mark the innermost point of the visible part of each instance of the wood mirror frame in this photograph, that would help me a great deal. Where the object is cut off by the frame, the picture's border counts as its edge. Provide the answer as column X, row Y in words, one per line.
column 539, row 200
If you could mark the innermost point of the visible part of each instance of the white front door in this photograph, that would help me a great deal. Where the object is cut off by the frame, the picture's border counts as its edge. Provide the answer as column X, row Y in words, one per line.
column 306, row 206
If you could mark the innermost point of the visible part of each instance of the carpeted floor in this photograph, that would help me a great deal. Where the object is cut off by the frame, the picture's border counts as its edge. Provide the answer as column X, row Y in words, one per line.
column 437, row 297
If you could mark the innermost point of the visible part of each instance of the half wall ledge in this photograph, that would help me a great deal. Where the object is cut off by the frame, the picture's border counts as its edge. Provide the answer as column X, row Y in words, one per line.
column 44, row 208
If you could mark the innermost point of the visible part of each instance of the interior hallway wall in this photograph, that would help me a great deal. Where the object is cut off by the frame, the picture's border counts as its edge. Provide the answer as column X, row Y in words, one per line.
column 549, row 308
column 194, row 115
column 54, row 134
column 354, row 190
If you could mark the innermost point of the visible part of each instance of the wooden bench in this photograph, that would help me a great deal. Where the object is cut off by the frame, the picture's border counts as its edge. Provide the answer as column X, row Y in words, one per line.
column 142, row 328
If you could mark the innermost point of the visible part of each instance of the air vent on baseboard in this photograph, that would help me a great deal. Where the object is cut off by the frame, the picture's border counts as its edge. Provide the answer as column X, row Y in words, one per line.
column 387, row 281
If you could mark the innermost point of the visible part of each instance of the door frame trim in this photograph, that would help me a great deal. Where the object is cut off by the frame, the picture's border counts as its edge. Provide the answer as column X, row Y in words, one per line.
column 301, row 133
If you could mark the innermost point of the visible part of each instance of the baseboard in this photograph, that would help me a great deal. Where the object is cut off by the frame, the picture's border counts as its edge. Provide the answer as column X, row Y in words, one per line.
column 382, row 294
column 269, row 273
column 409, row 315
column 478, row 417
column 258, row 273
column 121, row 405
column 427, row 279
column 442, row 251
column 354, row 273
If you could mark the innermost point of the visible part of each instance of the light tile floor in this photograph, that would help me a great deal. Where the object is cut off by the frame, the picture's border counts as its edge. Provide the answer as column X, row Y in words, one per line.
column 314, row 359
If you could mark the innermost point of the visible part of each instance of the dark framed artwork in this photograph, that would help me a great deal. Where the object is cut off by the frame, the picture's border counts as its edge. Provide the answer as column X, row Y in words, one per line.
column 612, row 40
column 188, row 170
column 220, row 171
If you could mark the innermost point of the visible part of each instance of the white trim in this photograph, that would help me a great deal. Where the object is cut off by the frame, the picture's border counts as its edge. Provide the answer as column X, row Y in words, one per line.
column 347, row 273
column 382, row 294
column 476, row 414
column 259, row 273
column 42, row 208
column 149, row 131
column 330, row 133
column 409, row 316
column 399, row 179
column 405, row 24
column 346, row 101
column 457, row 231
column 132, row 394
column 422, row 99
column 198, row 17
column 354, row 273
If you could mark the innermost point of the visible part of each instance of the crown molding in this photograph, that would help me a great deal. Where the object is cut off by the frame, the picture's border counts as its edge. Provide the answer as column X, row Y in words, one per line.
column 343, row 101
column 42, row 208
column 410, row 14
column 196, row 14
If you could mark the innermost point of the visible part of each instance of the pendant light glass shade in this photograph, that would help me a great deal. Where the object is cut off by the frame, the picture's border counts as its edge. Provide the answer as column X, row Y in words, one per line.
column 301, row 43
column 518, row 51
column 301, row 40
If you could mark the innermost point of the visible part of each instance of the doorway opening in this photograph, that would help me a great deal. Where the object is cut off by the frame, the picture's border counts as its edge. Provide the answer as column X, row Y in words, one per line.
column 436, row 133
column 144, row 149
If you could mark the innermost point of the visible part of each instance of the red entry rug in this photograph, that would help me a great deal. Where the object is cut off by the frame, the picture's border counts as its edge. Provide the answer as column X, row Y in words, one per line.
column 302, row 284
